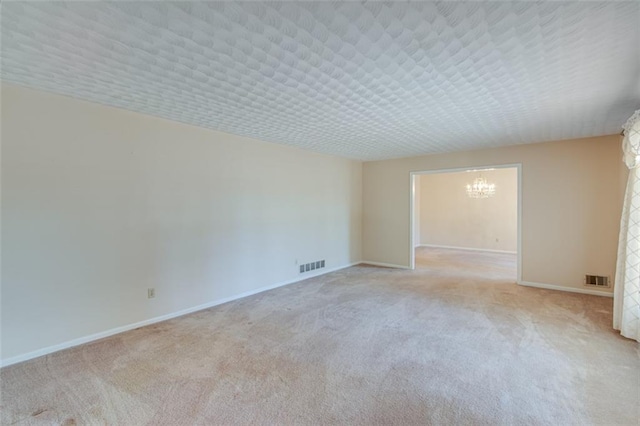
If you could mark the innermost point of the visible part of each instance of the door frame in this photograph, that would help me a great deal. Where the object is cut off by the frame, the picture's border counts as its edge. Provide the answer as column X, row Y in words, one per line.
column 412, row 196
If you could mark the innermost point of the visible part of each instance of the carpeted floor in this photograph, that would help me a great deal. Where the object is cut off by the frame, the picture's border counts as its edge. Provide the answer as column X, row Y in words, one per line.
column 453, row 342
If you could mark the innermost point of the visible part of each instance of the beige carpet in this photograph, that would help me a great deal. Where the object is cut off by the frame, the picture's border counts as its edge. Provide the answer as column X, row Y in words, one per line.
column 453, row 342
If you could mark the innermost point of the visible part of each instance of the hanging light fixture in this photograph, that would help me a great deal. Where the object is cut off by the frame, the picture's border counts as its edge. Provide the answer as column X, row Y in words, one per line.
column 480, row 188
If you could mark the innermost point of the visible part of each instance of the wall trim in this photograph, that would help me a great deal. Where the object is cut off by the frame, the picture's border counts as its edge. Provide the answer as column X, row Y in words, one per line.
column 467, row 248
column 564, row 288
column 384, row 265
column 107, row 333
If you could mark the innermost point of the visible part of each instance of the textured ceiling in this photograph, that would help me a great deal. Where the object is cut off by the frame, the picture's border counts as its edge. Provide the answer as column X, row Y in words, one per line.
column 360, row 80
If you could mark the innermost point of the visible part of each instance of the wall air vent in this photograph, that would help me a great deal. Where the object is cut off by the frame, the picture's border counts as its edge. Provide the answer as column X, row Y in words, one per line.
column 312, row 266
column 596, row 281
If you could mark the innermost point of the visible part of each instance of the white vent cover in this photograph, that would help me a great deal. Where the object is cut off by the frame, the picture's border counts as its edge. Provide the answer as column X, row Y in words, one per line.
column 596, row 281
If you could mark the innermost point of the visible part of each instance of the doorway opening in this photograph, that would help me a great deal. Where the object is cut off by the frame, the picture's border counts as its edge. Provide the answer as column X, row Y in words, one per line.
column 472, row 213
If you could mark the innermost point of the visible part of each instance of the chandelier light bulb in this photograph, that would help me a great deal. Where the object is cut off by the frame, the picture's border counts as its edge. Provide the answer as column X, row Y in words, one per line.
column 481, row 189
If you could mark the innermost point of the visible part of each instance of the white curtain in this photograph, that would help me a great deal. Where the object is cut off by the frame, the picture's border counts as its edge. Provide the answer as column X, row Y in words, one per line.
column 626, row 301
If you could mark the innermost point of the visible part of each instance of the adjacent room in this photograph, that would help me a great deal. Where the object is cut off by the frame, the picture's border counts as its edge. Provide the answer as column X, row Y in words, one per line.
column 301, row 213
column 469, row 217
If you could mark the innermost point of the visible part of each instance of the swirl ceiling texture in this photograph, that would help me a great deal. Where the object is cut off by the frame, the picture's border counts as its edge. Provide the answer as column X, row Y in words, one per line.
column 362, row 80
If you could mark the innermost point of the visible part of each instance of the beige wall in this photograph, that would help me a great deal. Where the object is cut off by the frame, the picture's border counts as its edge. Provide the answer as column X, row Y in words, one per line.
column 571, row 203
column 98, row 204
column 450, row 218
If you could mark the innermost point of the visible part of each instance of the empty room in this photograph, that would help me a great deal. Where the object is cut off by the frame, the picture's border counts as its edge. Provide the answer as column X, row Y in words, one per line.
column 467, row 220
column 301, row 213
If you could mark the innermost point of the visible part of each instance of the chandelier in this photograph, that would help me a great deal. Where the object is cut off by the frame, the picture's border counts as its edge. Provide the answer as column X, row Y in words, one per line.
column 481, row 189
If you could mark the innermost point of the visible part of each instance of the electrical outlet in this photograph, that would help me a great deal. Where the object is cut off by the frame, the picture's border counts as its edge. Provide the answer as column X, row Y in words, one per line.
column 151, row 293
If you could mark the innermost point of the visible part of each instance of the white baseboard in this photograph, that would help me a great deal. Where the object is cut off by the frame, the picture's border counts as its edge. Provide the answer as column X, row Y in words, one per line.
column 467, row 248
column 122, row 329
column 563, row 288
column 384, row 265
